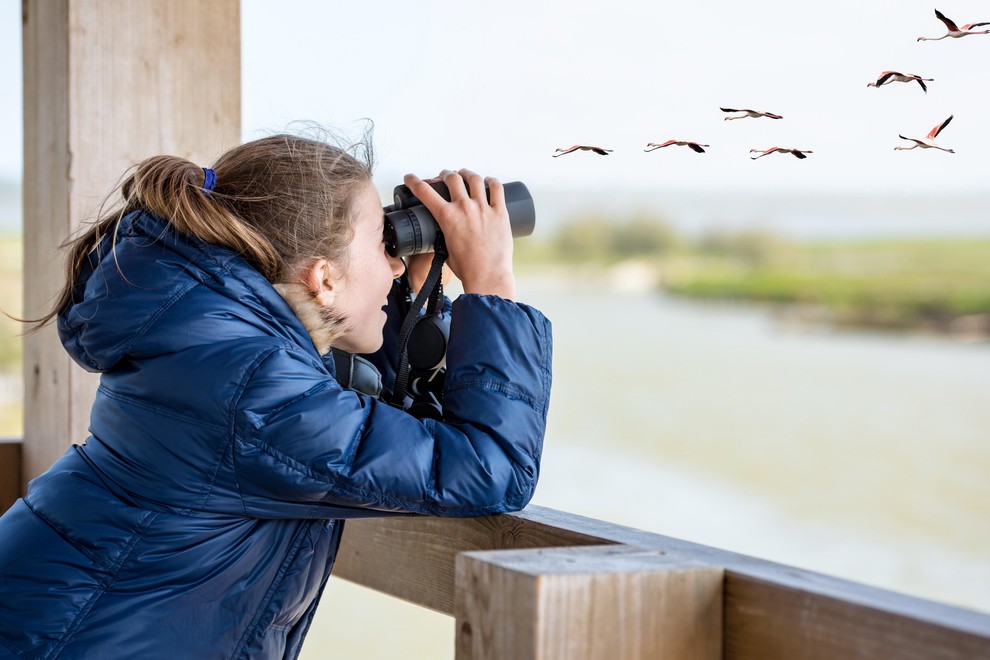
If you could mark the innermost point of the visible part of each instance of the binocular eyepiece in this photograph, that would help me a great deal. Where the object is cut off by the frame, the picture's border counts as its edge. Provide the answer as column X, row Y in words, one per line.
column 410, row 228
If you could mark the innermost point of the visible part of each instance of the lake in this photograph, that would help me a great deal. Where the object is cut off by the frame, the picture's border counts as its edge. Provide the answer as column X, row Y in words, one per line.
column 855, row 454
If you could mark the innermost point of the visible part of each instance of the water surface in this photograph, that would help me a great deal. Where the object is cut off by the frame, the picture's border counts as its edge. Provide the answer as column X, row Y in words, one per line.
column 854, row 454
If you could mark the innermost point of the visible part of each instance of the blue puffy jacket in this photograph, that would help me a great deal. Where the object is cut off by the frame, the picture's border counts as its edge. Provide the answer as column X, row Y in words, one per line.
column 202, row 516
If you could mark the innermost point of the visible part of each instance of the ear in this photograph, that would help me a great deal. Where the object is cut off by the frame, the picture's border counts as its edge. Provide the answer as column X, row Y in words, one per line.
column 319, row 278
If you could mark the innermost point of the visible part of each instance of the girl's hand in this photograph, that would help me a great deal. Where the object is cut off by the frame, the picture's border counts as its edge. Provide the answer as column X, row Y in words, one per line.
column 418, row 268
column 477, row 232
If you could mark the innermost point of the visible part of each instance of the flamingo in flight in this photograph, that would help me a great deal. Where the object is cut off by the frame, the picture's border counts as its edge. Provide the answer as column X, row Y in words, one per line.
column 888, row 77
column 955, row 31
column 653, row 146
column 746, row 112
column 927, row 142
column 582, row 147
column 780, row 150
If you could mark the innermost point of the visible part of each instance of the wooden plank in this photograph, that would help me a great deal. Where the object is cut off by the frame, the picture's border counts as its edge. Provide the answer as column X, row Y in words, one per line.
column 107, row 83
column 777, row 622
column 588, row 603
column 413, row 558
column 10, row 472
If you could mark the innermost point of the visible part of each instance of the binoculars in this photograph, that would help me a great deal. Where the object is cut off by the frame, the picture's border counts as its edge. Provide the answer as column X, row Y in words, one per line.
column 410, row 228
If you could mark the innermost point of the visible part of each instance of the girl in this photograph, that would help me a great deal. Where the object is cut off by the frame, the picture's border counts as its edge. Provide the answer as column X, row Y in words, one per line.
column 201, row 517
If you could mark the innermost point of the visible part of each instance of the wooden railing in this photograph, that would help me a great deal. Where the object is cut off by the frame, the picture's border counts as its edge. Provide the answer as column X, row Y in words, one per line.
column 547, row 584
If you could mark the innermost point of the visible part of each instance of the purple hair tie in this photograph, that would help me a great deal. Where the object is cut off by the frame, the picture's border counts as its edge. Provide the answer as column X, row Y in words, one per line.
column 211, row 180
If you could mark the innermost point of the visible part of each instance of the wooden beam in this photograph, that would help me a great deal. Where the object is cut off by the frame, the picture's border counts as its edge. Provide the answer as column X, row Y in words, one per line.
column 589, row 603
column 771, row 610
column 420, row 552
column 10, row 472
column 783, row 619
column 107, row 83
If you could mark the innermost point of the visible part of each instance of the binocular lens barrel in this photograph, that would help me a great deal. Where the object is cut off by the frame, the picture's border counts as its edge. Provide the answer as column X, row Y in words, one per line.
column 410, row 228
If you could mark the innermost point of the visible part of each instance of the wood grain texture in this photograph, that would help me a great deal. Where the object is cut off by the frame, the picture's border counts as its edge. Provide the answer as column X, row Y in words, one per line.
column 587, row 603
column 413, row 557
column 107, row 83
column 771, row 610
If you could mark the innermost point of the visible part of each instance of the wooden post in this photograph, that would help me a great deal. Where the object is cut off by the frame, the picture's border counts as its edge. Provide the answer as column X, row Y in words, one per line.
column 595, row 602
column 107, row 83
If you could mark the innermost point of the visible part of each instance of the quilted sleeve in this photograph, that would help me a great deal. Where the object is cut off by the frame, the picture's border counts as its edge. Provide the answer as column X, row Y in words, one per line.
column 301, row 439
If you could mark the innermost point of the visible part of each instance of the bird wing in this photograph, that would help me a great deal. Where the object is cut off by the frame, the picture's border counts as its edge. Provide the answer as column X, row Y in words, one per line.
column 938, row 129
column 922, row 83
column 566, row 151
column 948, row 23
column 730, row 110
column 696, row 147
column 970, row 26
column 885, row 76
column 600, row 151
column 797, row 153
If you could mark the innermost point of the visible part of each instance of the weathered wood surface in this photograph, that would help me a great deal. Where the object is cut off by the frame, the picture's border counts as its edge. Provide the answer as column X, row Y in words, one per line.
column 587, row 603
column 107, row 83
column 10, row 472
column 771, row 610
column 413, row 557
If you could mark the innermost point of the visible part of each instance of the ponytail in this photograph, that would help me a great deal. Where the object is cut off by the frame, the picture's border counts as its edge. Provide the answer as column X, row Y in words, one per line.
column 277, row 202
column 173, row 188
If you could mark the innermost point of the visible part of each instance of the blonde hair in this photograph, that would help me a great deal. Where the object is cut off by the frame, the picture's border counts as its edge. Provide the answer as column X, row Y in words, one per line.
column 279, row 202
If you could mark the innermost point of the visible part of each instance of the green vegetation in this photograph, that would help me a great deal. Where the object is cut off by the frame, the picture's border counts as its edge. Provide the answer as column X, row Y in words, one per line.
column 938, row 285
column 895, row 285
column 595, row 238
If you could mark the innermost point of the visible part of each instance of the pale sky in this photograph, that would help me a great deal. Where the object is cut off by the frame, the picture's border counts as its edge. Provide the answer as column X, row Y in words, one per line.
column 498, row 86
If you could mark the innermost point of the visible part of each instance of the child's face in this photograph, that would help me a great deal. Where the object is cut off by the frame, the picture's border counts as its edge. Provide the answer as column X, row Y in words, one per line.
column 362, row 289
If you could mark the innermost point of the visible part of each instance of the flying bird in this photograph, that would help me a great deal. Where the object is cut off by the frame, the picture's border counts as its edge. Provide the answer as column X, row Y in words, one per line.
column 653, row 146
column 955, row 31
column 888, row 77
column 582, row 147
column 746, row 112
column 927, row 142
column 780, row 150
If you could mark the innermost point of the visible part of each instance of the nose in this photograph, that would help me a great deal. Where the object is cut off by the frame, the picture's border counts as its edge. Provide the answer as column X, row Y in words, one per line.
column 398, row 266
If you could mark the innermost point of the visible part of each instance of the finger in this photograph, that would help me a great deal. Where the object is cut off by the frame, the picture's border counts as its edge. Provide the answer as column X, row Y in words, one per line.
column 455, row 185
column 475, row 183
column 422, row 190
column 439, row 176
column 496, row 192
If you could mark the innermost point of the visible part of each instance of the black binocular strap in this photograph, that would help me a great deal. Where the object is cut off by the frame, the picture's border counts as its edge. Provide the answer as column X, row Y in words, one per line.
column 433, row 290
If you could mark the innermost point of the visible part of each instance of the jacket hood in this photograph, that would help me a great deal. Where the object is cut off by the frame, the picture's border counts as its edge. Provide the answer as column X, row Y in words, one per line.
column 148, row 290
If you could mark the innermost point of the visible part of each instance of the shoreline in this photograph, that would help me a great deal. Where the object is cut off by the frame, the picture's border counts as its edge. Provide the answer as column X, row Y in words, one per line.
column 642, row 276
